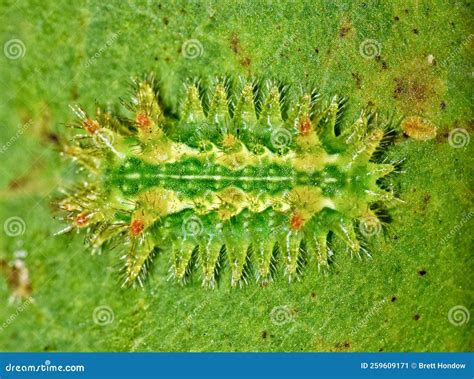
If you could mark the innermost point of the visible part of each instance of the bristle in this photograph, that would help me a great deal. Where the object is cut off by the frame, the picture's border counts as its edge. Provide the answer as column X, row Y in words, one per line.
column 252, row 177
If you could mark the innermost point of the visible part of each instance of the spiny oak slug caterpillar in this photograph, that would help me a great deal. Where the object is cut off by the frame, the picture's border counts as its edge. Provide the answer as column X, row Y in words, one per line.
column 250, row 174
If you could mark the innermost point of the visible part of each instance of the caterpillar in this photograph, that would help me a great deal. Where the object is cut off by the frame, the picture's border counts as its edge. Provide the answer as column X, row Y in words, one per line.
column 249, row 174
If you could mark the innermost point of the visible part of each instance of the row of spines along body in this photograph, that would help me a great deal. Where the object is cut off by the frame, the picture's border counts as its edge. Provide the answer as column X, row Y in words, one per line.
column 301, row 127
column 262, row 241
column 187, row 234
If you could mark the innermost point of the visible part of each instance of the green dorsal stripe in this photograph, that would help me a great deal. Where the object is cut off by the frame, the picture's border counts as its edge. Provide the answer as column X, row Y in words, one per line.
column 255, row 184
column 194, row 177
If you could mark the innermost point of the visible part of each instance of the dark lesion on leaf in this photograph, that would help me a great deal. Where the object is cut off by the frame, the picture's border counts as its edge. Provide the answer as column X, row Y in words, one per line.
column 357, row 79
column 18, row 278
column 235, row 43
column 411, row 90
column 18, row 183
column 344, row 30
column 236, row 47
column 342, row 346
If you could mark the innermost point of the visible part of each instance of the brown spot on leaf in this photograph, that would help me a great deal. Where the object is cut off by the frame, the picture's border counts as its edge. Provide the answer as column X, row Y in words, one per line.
column 417, row 87
column 235, row 43
column 357, row 79
column 412, row 88
column 344, row 30
column 236, row 47
column 53, row 138
column 346, row 345
column 18, row 183
column 18, row 278
column 245, row 61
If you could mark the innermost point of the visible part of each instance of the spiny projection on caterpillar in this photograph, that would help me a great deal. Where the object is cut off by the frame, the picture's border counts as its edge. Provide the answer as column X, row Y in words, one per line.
column 251, row 176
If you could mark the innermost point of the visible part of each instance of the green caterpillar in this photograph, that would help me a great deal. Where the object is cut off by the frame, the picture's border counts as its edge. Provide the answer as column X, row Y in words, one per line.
column 245, row 176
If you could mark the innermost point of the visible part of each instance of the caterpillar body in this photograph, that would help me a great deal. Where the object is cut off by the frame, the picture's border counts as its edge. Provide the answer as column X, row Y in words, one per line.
column 251, row 175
